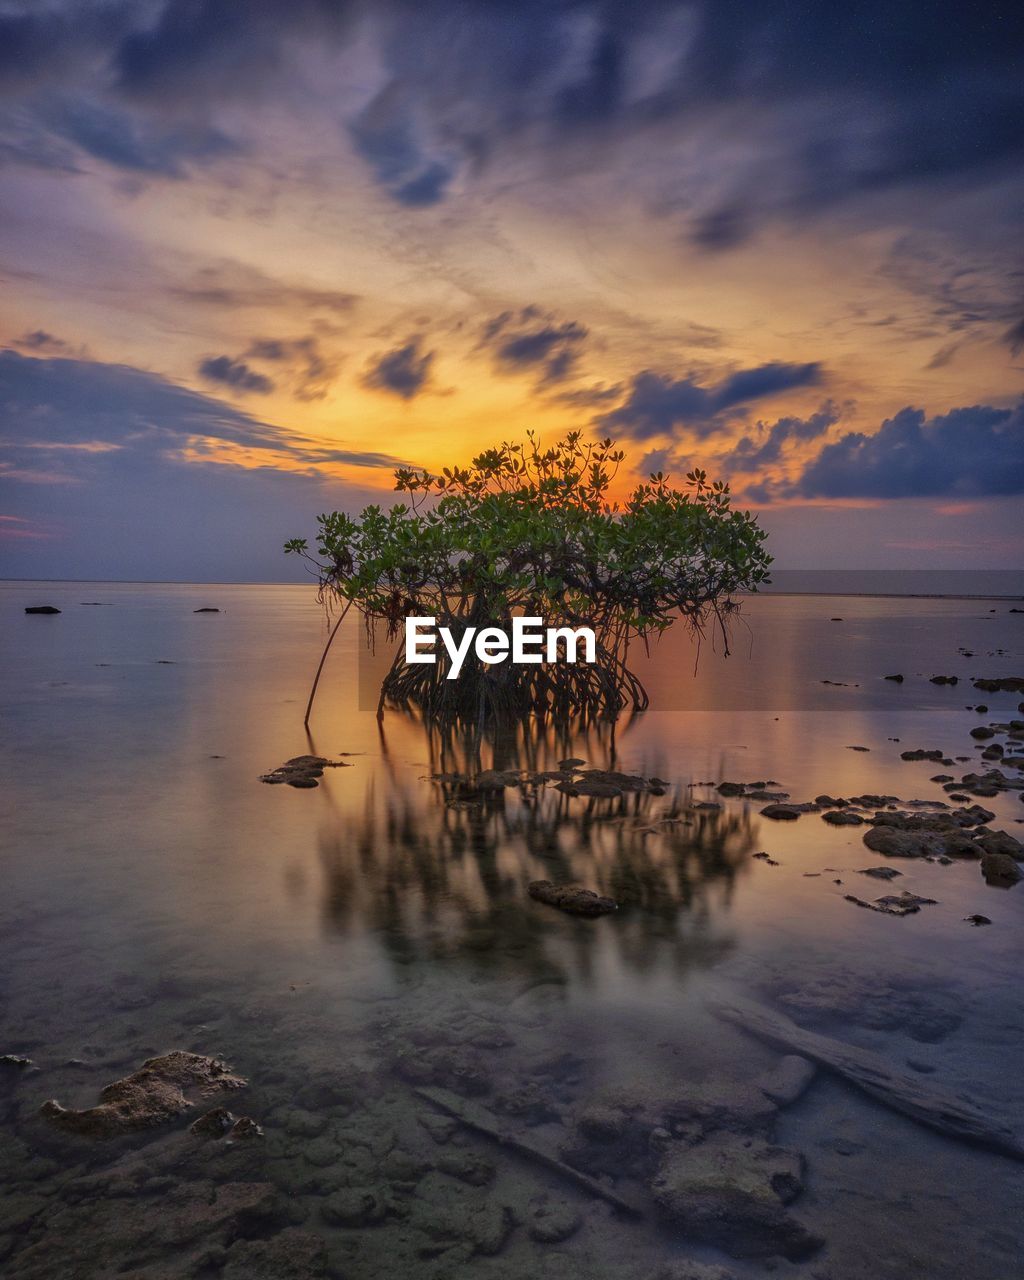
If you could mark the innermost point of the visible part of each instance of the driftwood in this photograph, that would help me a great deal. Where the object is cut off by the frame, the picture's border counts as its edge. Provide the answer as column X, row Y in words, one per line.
column 928, row 1105
column 481, row 1121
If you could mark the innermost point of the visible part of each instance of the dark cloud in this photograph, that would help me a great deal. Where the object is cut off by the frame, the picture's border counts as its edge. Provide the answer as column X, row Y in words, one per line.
column 968, row 453
column 657, row 404
column 814, row 105
column 132, row 142
column 40, row 340
column 534, row 340
column 72, row 433
column 403, row 371
column 61, row 405
column 385, row 135
column 766, row 446
column 309, row 369
column 234, row 373
column 236, row 286
column 1014, row 337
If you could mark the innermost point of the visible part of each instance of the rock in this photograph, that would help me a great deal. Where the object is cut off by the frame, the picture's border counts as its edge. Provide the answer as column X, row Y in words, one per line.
column 945, row 680
column 731, row 1193
column 1001, row 842
column 898, row 679
column 206, row 609
column 573, row 762
column 356, row 1207
column 551, row 1221
column 571, row 898
column 780, row 812
column 167, row 1234
column 214, row 1124
column 1000, row 869
column 1005, row 684
column 302, row 771
column 903, row 904
column 687, row 1269
column 977, row 920
column 787, row 1081
column 467, row 1167
column 766, row 858
column 244, row 1130
column 11, row 1062
column 842, row 818
column 290, row 1255
column 150, row 1096
column 921, row 754
column 41, row 608
column 982, row 732
column 880, row 873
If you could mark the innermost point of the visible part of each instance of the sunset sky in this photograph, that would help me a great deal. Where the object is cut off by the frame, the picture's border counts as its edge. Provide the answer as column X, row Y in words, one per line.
column 253, row 255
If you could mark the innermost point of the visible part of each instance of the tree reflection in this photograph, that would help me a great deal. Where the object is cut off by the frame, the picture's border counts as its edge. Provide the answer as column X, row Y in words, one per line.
column 434, row 869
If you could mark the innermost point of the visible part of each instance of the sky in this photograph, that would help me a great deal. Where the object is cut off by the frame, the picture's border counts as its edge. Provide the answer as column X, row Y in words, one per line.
column 254, row 255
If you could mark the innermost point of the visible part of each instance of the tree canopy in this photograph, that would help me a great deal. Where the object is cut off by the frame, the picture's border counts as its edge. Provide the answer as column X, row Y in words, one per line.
column 531, row 530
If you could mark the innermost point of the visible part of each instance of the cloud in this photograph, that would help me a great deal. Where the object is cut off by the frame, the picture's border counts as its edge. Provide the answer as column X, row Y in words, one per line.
column 40, row 340
column 385, row 135
column 1014, row 337
column 311, row 371
column 403, row 371
column 751, row 453
column 203, row 490
column 657, row 404
column 968, row 452
column 80, row 407
column 237, row 286
column 234, row 373
column 131, row 142
column 536, row 341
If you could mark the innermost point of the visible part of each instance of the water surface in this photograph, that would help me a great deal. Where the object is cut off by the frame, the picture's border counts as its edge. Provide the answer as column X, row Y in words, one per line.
column 343, row 945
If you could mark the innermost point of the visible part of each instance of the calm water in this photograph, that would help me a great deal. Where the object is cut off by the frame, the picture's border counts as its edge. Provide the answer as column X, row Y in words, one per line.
column 340, row 946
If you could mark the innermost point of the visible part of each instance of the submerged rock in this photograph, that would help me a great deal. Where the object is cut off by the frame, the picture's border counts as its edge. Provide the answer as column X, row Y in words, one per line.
column 880, row 873
column 731, row 1192
column 688, row 1269
column 150, row 1096
column 290, row 1255
column 903, row 904
column 572, row 898
column 214, row 1124
column 788, row 1081
column 552, row 1221
column 977, row 920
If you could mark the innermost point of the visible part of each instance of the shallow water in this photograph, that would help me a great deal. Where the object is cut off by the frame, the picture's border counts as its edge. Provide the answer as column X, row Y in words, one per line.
column 343, row 946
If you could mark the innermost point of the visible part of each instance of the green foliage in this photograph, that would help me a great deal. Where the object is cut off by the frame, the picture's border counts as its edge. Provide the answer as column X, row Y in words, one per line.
column 526, row 530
